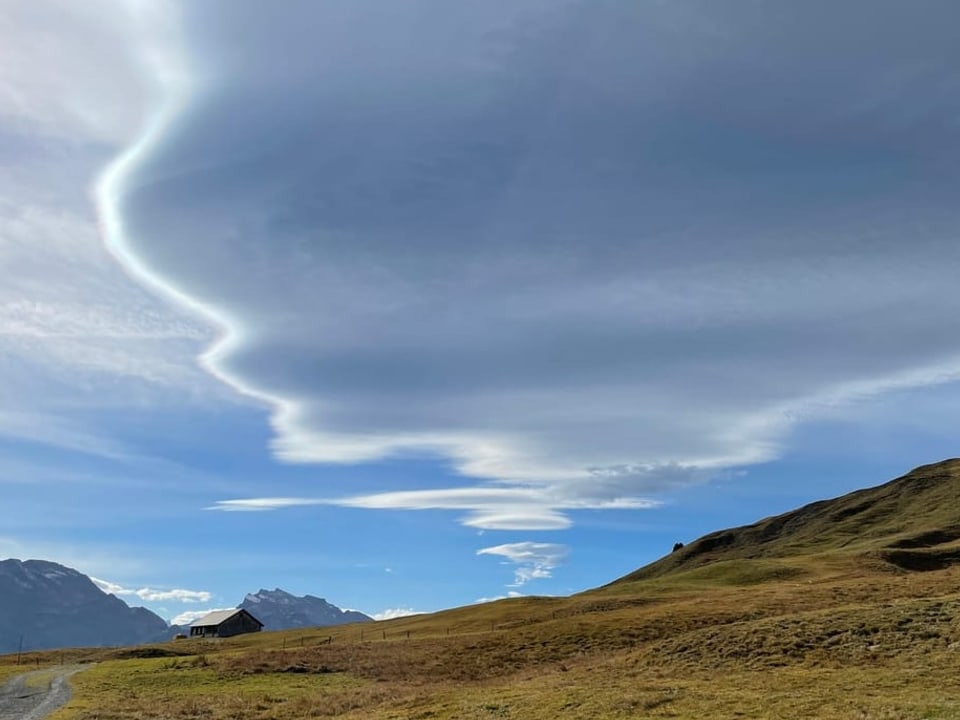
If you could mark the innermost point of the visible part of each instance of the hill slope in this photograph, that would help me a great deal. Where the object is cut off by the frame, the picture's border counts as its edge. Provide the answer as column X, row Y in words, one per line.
column 912, row 522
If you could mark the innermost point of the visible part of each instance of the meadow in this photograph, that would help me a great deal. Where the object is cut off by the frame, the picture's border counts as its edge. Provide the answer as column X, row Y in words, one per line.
column 808, row 615
column 830, row 642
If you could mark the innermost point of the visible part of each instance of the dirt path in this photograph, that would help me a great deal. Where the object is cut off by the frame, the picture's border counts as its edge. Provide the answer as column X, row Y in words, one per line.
column 35, row 695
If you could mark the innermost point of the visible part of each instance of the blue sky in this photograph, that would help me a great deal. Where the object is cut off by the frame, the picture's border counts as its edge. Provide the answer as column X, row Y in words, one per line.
column 411, row 304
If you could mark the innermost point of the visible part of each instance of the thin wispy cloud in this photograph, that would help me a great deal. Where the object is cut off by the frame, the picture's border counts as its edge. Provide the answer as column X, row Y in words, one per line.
column 153, row 594
column 77, row 83
column 531, row 560
column 489, row 508
column 262, row 504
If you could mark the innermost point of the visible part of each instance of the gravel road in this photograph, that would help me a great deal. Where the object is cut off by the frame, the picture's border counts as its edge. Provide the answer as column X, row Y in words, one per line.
column 35, row 695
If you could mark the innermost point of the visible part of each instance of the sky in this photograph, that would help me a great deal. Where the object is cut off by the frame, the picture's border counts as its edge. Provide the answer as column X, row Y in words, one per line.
column 416, row 304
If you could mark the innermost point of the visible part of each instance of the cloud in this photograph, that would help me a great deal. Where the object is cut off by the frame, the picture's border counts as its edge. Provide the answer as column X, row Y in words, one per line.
column 153, row 595
column 391, row 613
column 70, row 71
column 177, row 595
column 533, row 560
column 262, row 504
column 490, row 508
column 187, row 617
column 587, row 254
column 77, row 335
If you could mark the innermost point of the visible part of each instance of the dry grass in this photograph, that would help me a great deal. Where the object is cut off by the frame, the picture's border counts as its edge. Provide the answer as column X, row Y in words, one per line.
column 831, row 642
column 29, row 661
column 776, row 620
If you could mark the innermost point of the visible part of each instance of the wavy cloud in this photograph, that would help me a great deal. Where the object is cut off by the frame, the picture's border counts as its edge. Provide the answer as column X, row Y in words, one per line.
column 584, row 252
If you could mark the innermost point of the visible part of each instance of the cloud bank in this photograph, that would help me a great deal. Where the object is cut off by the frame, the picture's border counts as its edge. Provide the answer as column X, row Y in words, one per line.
column 580, row 251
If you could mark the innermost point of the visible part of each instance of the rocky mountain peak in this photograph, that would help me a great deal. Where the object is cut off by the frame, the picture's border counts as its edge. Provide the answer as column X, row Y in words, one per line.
column 280, row 610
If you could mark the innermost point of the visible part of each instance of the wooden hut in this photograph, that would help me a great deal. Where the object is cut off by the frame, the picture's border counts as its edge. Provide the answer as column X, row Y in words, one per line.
column 225, row 623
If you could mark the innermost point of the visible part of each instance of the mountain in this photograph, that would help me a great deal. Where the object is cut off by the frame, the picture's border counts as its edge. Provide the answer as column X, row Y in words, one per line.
column 910, row 523
column 279, row 610
column 52, row 606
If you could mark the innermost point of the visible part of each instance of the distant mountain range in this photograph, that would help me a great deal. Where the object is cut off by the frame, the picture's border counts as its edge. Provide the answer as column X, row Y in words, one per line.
column 46, row 605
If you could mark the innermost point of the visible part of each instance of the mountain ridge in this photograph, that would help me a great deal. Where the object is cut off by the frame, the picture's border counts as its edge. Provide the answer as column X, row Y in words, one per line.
column 280, row 610
column 910, row 523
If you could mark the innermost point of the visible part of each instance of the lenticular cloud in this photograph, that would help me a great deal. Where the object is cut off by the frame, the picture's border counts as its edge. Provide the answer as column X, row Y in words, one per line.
column 587, row 250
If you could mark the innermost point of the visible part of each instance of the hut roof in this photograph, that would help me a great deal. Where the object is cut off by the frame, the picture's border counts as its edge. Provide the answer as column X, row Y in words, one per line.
column 219, row 616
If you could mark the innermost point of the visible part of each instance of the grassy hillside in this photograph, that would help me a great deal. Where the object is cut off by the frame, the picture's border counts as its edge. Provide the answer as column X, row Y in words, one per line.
column 913, row 522
column 809, row 614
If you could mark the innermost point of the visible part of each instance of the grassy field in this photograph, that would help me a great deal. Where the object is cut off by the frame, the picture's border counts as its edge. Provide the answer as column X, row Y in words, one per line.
column 780, row 619
column 830, row 641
